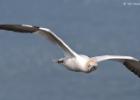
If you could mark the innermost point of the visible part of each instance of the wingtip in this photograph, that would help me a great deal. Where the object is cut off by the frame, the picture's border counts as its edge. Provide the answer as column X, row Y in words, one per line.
column 135, row 70
column 24, row 28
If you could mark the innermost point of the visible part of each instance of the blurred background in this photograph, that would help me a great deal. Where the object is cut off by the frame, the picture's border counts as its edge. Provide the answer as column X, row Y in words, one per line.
column 91, row 27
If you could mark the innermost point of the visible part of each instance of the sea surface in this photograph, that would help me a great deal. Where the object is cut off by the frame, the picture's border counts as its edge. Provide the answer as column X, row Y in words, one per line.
column 91, row 27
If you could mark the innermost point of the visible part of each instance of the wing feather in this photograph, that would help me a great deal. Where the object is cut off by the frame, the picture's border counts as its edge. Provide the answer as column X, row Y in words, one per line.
column 133, row 66
column 131, row 63
column 19, row 28
column 42, row 31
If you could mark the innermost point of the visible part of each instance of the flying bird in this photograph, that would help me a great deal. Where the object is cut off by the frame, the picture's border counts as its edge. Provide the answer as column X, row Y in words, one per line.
column 72, row 60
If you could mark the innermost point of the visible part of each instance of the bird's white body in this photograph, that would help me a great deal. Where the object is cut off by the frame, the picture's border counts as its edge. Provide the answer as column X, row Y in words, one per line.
column 78, row 63
column 72, row 60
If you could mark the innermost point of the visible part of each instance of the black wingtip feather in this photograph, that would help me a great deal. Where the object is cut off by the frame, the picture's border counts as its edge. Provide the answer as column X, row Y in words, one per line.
column 19, row 28
column 132, row 68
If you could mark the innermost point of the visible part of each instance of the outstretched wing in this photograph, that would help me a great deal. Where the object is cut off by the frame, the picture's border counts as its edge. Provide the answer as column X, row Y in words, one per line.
column 39, row 30
column 131, row 63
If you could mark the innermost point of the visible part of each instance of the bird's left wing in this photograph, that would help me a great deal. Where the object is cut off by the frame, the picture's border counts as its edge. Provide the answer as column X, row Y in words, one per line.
column 39, row 30
column 131, row 63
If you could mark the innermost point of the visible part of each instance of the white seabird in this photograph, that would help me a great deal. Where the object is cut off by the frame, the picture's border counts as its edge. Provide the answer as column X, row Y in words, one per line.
column 72, row 60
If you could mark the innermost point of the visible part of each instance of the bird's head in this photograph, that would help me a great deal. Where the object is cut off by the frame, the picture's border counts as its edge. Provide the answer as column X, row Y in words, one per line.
column 91, row 65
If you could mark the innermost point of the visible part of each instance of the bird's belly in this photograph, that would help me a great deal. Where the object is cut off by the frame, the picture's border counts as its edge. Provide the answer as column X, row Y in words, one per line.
column 74, row 64
column 71, row 64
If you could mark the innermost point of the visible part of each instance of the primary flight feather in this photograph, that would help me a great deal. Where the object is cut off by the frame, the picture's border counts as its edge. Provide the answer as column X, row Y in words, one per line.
column 72, row 60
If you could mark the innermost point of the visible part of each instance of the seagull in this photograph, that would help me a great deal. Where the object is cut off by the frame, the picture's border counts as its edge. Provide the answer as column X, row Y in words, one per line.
column 72, row 60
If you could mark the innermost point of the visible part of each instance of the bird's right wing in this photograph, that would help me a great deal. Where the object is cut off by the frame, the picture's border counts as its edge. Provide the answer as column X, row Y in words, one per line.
column 131, row 63
column 41, row 31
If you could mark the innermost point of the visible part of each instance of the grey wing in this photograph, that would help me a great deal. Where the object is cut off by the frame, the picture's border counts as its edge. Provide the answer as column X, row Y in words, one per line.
column 131, row 63
column 39, row 30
